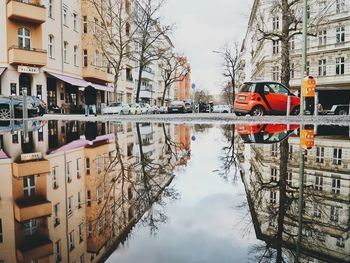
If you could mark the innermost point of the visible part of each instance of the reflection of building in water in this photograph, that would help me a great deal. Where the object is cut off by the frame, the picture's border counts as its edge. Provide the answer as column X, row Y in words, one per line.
column 71, row 199
column 325, row 233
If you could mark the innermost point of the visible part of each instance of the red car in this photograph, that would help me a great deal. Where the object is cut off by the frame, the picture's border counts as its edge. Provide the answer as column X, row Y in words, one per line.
column 261, row 98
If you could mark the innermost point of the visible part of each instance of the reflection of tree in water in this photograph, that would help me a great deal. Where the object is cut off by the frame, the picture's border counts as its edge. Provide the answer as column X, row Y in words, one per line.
column 276, row 221
column 138, row 188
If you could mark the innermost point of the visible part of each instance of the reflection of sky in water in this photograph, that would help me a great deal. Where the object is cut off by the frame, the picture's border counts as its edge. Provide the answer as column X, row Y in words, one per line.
column 205, row 225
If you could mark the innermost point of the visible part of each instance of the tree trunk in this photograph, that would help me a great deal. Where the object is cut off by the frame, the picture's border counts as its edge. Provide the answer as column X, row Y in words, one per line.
column 139, row 85
column 164, row 92
column 285, row 64
column 233, row 91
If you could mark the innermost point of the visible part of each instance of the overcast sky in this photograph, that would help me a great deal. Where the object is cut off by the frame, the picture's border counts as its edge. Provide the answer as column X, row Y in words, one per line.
column 203, row 26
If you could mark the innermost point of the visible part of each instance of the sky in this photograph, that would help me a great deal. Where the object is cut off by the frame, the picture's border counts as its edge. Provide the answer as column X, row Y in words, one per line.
column 203, row 26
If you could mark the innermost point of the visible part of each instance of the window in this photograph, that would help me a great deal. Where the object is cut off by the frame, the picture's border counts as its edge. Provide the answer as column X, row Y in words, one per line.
column 65, row 52
column 322, row 7
column 70, row 206
column 15, row 135
column 318, row 182
column 56, row 211
column 99, row 194
column 319, row 155
column 89, row 229
column 275, row 23
column 340, row 34
column 50, row 46
column 273, row 197
column 339, row 6
column 80, row 204
column 58, row 255
column 292, row 43
column 1, row 234
column 65, row 16
column 334, row 214
column 75, row 55
column 87, row 166
column 85, row 58
column 273, row 175
column 29, row 187
column 75, row 22
column 127, row 6
column 289, row 178
column 292, row 70
column 99, row 226
column 50, row 8
column 275, row 46
column 68, row 172
column 275, row 73
column 340, row 242
column 81, row 259
column 127, row 29
column 322, row 67
column 81, row 232
column 85, row 24
column 24, row 38
column 78, row 168
column 88, row 198
column 336, row 185
column 54, row 177
column 274, row 150
column 339, row 66
column 96, row 54
column 94, row 29
column 337, row 156
column 322, row 37
column 71, row 240
column 317, row 210
column 30, row 227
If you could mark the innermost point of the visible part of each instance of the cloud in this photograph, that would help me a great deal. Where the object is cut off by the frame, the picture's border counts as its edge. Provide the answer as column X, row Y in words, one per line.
column 203, row 26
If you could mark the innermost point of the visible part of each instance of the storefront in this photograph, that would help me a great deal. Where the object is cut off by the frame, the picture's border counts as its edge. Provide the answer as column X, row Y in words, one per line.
column 329, row 97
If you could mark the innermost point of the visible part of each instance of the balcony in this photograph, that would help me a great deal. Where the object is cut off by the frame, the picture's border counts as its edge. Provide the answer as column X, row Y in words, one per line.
column 30, row 56
column 35, row 247
column 148, row 74
column 28, row 12
column 30, row 168
column 29, row 208
column 146, row 93
column 93, row 73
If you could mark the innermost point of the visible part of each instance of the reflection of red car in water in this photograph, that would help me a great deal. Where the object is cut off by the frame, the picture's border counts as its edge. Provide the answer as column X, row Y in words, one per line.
column 265, row 133
column 261, row 98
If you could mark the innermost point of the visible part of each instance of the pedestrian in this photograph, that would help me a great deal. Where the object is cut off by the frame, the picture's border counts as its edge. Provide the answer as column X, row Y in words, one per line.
column 90, row 100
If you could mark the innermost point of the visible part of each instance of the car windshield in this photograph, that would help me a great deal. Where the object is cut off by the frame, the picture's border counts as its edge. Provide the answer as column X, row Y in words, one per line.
column 115, row 105
column 247, row 87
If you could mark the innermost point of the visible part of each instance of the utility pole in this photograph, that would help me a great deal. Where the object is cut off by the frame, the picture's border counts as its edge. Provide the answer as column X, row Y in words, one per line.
column 304, row 55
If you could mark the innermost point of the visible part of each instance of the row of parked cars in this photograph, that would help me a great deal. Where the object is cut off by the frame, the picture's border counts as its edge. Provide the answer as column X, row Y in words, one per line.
column 36, row 107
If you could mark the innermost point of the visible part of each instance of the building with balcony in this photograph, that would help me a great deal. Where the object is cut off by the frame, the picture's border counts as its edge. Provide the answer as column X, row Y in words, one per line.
column 328, row 50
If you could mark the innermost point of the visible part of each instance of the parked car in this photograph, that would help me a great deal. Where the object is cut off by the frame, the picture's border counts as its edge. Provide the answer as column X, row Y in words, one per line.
column 163, row 109
column 177, row 106
column 5, row 107
column 261, row 98
column 116, row 108
column 154, row 109
column 135, row 109
column 189, row 106
column 340, row 109
column 145, row 108
column 222, row 108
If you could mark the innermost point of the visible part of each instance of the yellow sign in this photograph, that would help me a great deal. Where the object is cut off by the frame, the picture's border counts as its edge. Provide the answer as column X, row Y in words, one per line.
column 308, row 87
column 307, row 138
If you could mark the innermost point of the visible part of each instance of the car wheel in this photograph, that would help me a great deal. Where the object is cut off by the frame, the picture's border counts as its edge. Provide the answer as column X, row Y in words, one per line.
column 296, row 111
column 5, row 112
column 257, row 111
column 225, row 111
column 238, row 114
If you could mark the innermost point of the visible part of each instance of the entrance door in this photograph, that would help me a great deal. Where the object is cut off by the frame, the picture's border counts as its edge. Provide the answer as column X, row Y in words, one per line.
column 25, row 81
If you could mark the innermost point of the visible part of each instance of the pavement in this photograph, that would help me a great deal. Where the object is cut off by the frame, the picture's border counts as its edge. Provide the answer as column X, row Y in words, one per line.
column 213, row 118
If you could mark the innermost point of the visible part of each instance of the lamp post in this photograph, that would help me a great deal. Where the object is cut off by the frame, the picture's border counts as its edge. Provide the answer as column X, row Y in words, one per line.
column 304, row 53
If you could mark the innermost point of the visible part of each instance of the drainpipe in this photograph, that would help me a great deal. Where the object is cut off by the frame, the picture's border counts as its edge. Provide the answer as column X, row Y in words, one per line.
column 61, row 19
column 66, row 202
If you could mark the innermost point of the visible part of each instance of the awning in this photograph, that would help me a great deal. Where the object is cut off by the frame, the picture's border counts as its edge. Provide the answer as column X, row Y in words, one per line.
column 80, row 82
column 3, row 155
column 2, row 70
column 82, row 143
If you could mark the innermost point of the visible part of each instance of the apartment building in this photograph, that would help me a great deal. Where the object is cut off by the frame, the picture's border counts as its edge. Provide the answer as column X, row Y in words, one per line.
column 65, row 197
column 326, row 197
column 328, row 49
column 183, row 87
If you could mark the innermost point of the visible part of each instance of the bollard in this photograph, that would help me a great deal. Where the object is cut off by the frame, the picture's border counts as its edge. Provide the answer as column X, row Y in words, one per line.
column 288, row 105
column 316, row 104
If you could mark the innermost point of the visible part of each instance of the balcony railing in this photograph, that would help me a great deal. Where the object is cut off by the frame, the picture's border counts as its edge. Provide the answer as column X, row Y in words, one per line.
column 29, row 168
column 28, row 56
column 31, row 12
column 33, row 248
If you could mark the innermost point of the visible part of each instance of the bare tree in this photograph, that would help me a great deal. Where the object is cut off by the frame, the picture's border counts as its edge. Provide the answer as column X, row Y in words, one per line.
column 113, row 33
column 150, row 36
column 230, row 57
column 173, row 69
